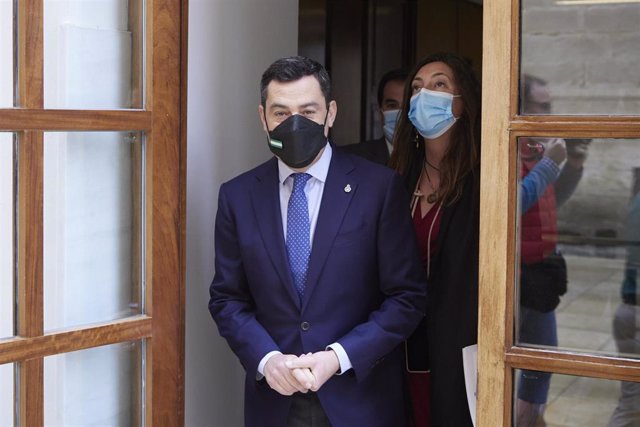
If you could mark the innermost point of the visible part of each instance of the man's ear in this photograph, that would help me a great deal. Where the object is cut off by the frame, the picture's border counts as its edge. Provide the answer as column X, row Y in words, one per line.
column 331, row 115
column 262, row 119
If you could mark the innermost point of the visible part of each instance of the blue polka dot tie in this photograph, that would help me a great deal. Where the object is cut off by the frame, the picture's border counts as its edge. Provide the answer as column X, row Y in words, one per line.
column 298, row 226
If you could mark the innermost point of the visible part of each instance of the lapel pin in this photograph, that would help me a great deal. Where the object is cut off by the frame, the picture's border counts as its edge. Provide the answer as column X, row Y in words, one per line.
column 347, row 189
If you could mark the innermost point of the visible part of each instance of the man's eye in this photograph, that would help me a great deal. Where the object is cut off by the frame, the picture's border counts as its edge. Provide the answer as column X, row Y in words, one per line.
column 308, row 113
column 279, row 114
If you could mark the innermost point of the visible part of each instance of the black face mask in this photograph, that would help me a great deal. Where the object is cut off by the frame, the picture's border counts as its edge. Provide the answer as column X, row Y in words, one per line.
column 297, row 141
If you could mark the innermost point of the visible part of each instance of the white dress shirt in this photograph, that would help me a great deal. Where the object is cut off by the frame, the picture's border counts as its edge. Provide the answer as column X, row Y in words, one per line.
column 313, row 190
column 389, row 145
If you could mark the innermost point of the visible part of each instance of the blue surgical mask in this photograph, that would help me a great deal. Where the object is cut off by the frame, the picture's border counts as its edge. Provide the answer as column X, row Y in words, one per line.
column 390, row 120
column 430, row 112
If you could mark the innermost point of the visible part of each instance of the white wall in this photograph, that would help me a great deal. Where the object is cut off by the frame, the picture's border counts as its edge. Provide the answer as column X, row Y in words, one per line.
column 231, row 42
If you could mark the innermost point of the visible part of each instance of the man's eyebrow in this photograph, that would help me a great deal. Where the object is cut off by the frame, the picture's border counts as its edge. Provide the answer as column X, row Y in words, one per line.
column 310, row 104
column 286, row 107
column 272, row 106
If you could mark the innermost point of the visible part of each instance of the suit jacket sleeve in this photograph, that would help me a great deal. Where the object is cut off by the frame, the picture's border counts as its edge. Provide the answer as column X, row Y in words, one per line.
column 401, row 281
column 230, row 303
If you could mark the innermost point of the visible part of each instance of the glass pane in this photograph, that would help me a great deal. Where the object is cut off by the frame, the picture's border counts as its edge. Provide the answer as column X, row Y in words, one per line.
column 93, row 54
column 587, row 52
column 100, row 386
column 6, row 53
column 564, row 400
column 6, row 235
column 579, row 246
column 6, row 394
column 92, row 232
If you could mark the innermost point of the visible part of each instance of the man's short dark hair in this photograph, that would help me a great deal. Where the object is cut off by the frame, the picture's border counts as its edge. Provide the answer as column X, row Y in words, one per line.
column 399, row 75
column 294, row 68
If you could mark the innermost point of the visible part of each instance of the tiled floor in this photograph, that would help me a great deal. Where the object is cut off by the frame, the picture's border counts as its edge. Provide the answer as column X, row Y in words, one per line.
column 584, row 320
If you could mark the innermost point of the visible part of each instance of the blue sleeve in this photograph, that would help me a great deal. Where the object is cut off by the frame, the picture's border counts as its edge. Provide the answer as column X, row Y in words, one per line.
column 231, row 303
column 534, row 184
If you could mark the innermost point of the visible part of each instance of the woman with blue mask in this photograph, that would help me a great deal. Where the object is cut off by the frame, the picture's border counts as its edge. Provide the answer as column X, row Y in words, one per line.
column 437, row 151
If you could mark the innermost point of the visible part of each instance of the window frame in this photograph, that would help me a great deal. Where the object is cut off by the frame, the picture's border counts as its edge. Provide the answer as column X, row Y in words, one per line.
column 163, row 120
column 498, row 357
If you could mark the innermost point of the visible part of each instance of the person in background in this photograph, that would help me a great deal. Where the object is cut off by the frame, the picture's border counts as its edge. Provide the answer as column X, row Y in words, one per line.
column 437, row 151
column 317, row 277
column 626, row 329
column 389, row 98
column 547, row 182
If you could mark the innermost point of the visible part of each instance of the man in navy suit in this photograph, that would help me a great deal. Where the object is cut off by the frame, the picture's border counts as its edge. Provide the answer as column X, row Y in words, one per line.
column 317, row 275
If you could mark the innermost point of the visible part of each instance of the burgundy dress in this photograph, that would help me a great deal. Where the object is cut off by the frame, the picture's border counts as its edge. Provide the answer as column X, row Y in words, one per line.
column 419, row 382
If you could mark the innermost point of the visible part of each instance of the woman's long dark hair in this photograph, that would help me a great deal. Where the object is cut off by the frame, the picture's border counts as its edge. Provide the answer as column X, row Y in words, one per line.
column 463, row 155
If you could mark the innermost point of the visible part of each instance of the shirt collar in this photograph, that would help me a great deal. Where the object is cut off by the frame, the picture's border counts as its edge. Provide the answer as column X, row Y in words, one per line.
column 318, row 170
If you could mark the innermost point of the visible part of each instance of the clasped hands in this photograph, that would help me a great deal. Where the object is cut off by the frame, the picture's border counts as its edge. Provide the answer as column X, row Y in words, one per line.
column 287, row 373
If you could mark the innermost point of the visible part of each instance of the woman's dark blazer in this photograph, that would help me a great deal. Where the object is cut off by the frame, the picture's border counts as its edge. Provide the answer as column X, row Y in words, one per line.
column 451, row 322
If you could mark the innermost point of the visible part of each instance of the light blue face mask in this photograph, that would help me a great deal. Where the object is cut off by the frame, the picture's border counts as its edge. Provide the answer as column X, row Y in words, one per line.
column 430, row 112
column 390, row 120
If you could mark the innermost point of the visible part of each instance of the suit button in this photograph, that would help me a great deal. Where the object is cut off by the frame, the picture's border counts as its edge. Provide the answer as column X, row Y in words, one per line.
column 305, row 326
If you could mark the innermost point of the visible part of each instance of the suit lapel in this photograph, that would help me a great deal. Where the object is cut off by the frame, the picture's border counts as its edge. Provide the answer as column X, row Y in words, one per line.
column 336, row 197
column 265, row 199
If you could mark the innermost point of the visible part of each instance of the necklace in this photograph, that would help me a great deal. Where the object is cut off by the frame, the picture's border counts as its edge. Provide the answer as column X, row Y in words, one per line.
column 433, row 197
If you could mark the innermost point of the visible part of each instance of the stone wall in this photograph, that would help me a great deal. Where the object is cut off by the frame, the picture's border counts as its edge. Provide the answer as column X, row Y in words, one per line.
column 590, row 56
